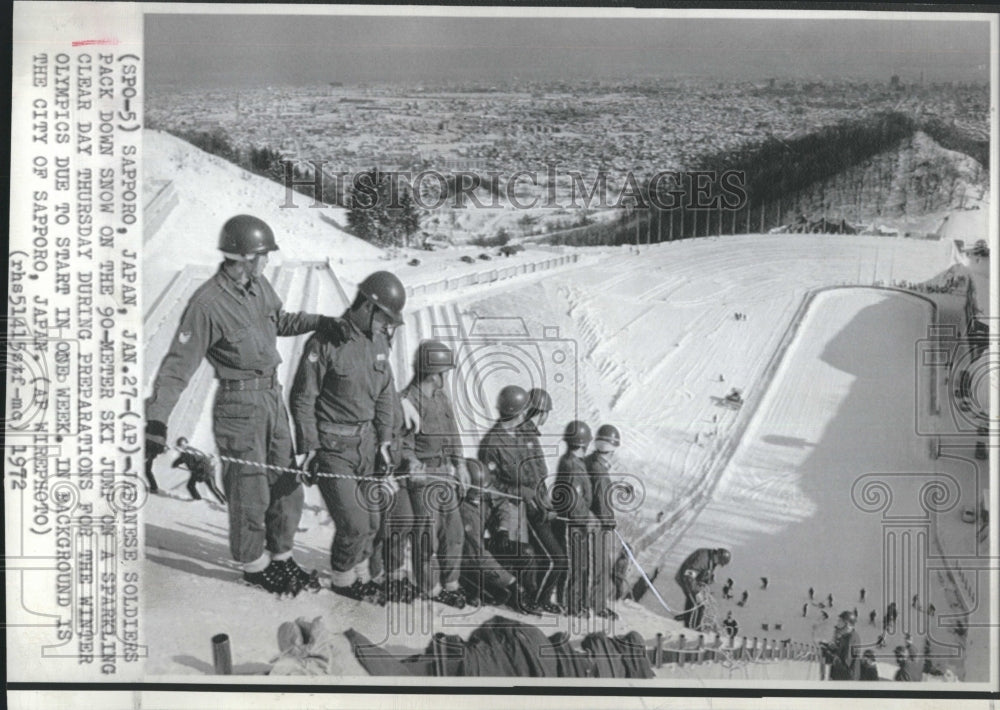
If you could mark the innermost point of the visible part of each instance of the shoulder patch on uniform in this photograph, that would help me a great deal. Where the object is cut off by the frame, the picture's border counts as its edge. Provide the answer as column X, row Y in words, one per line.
column 491, row 466
column 313, row 356
column 184, row 337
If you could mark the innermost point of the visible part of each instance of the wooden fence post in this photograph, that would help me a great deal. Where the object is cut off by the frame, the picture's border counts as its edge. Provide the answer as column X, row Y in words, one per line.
column 680, row 650
column 658, row 651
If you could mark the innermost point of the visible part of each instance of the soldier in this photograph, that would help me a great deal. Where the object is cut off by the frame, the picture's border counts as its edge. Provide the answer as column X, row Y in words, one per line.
column 503, row 455
column 201, row 467
column 572, row 497
column 598, row 464
column 342, row 403
column 484, row 579
column 694, row 576
column 843, row 653
column 396, row 527
column 435, row 495
column 233, row 320
column 549, row 552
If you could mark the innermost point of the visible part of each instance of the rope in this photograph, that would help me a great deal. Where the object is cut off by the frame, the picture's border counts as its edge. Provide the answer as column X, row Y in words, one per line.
column 327, row 474
column 628, row 551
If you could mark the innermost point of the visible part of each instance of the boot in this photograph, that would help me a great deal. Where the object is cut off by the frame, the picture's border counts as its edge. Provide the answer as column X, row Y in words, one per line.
column 455, row 598
column 304, row 580
column 272, row 579
column 374, row 592
column 518, row 602
column 401, row 591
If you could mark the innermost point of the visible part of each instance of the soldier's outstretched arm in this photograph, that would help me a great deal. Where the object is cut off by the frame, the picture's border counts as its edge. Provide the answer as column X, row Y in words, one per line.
column 305, row 389
column 300, row 323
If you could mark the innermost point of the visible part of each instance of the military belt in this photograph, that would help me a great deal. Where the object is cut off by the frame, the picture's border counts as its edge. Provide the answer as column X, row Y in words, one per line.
column 338, row 429
column 254, row 383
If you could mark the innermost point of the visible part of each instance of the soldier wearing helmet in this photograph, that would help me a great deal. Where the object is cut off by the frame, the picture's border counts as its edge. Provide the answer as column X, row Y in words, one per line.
column 342, row 402
column 694, row 577
column 233, row 320
column 504, row 456
column 571, row 497
column 435, row 495
column 396, row 527
column 598, row 463
column 484, row 579
column 550, row 554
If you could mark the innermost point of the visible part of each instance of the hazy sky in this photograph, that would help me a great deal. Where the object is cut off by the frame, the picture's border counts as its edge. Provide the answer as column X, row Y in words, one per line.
column 241, row 50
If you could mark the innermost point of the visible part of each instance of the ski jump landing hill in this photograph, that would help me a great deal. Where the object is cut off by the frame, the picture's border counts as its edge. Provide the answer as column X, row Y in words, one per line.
column 642, row 340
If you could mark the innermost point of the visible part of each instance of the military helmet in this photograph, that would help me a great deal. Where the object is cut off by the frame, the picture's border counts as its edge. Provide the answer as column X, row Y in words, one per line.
column 387, row 293
column 577, row 434
column 609, row 436
column 538, row 401
column 245, row 234
column 432, row 357
column 723, row 556
column 511, row 401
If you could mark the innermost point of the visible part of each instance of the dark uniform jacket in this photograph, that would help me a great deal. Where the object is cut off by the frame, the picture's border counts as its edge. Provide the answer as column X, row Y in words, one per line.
column 437, row 443
column 600, row 482
column 342, row 379
column 505, row 457
column 533, row 469
column 702, row 563
column 236, row 328
column 572, row 495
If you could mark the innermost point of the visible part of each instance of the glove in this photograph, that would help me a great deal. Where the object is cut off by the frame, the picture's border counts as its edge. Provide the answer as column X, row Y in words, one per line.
column 307, row 466
column 335, row 328
column 415, row 467
column 156, row 439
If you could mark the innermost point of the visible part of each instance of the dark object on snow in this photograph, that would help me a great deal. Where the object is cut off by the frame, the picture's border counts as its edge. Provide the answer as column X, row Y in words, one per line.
column 872, row 617
column 485, row 257
column 201, row 467
column 222, row 655
column 805, row 609
column 468, row 259
column 862, row 595
column 812, row 592
column 732, row 626
column 503, row 647
column 414, row 262
column 743, row 599
column 763, row 582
